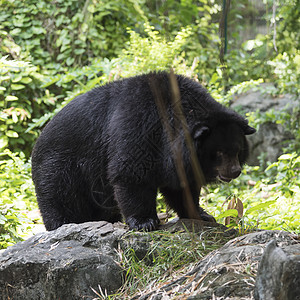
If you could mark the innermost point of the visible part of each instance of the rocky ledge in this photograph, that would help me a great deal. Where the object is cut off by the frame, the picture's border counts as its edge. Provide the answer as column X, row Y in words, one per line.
column 74, row 260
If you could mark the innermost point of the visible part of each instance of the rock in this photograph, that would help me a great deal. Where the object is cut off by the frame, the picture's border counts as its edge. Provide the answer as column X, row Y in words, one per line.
column 76, row 261
column 278, row 275
column 70, row 262
column 63, row 264
column 270, row 137
column 227, row 273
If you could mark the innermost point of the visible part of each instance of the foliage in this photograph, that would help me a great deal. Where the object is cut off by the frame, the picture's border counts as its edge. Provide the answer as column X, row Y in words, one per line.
column 153, row 53
column 202, row 17
column 273, row 56
column 270, row 196
column 288, row 17
column 16, row 197
column 286, row 70
column 65, row 33
column 10, row 221
column 21, row 99
column 283, row 68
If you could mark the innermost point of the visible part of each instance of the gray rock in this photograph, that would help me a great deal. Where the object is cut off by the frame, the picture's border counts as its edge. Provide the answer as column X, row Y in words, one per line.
column 63, row 264
column 258, row 99
column 278, row 275
column 77, row 260
column 267, row 143
column 71, row 262
column 227, row 273
column 271, row 137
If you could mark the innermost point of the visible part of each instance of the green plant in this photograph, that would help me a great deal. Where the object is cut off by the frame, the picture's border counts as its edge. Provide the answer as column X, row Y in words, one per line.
column 202, row 17
column 286, row 173
column 288, row 21
column 66, row 33
column 153, row 53
column 21, row 99
column 270, row 196
column 16, row 197
column 10, row 221
column 74, row 82
column 286, row 70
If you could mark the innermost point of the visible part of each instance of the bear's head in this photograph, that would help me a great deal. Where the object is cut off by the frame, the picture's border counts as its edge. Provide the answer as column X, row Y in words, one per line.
column 222, row 149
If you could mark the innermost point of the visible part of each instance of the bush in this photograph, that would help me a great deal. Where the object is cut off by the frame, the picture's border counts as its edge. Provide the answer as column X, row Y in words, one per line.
column 270, row 196
column 68, row 33
column 17, row 197
column 21, row 99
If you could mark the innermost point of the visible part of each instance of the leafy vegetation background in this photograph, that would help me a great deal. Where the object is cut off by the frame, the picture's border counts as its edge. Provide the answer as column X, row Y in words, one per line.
column 52, row 51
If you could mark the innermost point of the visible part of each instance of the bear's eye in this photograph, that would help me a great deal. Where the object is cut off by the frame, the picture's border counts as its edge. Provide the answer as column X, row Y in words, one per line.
column 217, row 156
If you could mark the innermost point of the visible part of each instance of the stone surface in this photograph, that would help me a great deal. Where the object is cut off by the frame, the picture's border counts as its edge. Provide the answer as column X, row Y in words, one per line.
column 63, row 264
column 76, row 260
column 270, row 137
column 278, row 275
column 227, row 273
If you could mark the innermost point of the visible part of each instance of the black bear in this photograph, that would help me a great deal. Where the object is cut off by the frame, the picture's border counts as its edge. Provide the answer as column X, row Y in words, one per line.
column 105, row 154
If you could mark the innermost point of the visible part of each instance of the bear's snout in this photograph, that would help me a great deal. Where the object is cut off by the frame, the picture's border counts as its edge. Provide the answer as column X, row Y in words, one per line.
column 229, row 169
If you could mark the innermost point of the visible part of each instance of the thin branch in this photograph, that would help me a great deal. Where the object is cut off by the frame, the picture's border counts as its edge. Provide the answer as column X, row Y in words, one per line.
column 274, row 26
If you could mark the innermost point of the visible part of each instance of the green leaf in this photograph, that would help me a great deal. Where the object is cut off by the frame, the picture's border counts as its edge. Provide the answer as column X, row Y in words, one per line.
column 84, row 27
column 273, row 165
column 214, row 78
column 11, row 98
column 26, row 80
column 70, row 61
column 79, row 51
column 3, row 220
column 18, row 22
column 286, row 157
column 261, row 206
column 14, row 117
column 228, row 213
column 91, row 8
column 15, row 31
column 17, row 87
column 17, row 78
column 3, row 116
column 3, row 141
column 65, row 46
column 12, row 134
column 60, row 56
column 38, row 30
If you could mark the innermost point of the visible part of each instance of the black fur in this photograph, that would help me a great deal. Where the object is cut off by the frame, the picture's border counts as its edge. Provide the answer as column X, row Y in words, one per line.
column 108, row 151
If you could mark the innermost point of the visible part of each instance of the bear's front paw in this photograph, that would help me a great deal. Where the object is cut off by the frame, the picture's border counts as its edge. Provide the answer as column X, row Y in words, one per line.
column 207, row 217
column 139, row 223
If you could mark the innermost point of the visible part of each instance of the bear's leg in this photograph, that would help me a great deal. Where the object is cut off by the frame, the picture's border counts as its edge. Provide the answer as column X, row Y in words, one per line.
column 103, row 205
column 52, row 216
column 176, row 200
column 138, row 205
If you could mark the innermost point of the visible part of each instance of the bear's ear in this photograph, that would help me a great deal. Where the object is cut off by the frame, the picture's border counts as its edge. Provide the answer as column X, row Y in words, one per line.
column 200, row 132
column 249, row 130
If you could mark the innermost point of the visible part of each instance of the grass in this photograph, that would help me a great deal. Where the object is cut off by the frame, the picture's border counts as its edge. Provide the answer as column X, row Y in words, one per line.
column 169, row 255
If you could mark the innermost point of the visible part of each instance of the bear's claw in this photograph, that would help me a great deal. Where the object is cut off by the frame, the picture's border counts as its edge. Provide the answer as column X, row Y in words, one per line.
column 146, row 224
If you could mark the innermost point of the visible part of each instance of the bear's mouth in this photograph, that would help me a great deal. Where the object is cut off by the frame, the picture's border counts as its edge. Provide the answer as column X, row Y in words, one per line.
column 223, row 178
